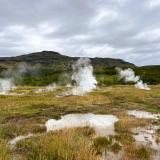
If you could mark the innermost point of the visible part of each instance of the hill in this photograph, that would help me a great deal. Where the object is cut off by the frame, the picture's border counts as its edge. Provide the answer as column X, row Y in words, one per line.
column 58, row 61
column 47, row 66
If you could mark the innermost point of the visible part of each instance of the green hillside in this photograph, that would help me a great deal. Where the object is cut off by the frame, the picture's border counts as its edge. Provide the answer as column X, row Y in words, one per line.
column 42, row 68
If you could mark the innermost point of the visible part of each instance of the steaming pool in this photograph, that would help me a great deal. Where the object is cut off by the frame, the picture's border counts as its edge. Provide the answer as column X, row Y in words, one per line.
column 103, row 124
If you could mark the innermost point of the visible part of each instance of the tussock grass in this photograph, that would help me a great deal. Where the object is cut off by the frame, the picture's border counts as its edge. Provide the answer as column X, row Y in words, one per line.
column 5, row 153
column 158, row 135
column 103, row 144
column 68, row 144
column 124, row 135
column 137, row 153
column 126, row 124
column 23, row 114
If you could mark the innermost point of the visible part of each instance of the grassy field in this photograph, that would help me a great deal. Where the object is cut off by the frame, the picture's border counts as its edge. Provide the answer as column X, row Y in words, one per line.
column 27, row 113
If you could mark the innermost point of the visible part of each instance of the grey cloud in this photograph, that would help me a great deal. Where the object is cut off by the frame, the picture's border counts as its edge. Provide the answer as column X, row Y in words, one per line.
column 124, row 29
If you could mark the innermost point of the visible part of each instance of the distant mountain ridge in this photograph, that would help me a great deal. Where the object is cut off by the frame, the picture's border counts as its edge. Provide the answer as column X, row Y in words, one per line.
column 51, row 58
column 46, row 67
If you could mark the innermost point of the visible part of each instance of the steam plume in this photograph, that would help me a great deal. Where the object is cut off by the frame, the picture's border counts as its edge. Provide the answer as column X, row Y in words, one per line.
column 142, row 85
column 129, row 76
column 13, row 76
column 83, row 77
column 6, row 85
column 49, row 88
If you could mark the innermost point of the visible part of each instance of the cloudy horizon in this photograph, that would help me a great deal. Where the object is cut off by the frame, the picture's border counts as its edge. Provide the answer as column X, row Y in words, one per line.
column 125, row 29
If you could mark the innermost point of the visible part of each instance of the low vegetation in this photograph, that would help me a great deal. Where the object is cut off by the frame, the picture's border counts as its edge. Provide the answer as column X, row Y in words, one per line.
column 62, row 145
column 27, row 113
column 5, row 153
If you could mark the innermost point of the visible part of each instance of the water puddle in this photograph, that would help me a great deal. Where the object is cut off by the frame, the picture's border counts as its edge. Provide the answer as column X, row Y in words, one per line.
column 103, row 124
column 147, row 137
column 112, row 156
column 11, row 94
column 143, row 114
column 13, row 142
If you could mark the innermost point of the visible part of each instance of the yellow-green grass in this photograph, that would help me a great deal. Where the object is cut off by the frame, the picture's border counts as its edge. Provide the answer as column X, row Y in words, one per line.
column 27, row 113
column 5, row 153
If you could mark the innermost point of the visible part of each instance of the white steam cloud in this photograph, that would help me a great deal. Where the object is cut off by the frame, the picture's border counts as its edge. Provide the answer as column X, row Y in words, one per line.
column 129, row 76
column 83, row 77
column 13, row 76
column 142, row 85
column 6, row 85
column 49, row 88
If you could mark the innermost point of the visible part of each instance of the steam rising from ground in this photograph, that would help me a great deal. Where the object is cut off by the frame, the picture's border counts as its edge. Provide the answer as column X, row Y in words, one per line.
column 83, row 77
column 129, row 76
column 49, row 88
column 13, row 76
column 6, row 85
column 142, row 85
column 10, row 77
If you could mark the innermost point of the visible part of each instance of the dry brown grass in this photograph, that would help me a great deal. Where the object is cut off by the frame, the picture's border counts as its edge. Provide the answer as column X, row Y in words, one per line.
column 137, row 152
column 126, row 124
column 124, row 135
column 24, row 114
column 69, row 144
column 5, row 153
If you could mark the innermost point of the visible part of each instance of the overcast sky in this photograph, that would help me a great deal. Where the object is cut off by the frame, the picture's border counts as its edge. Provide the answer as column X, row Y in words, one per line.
column 126, row 29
